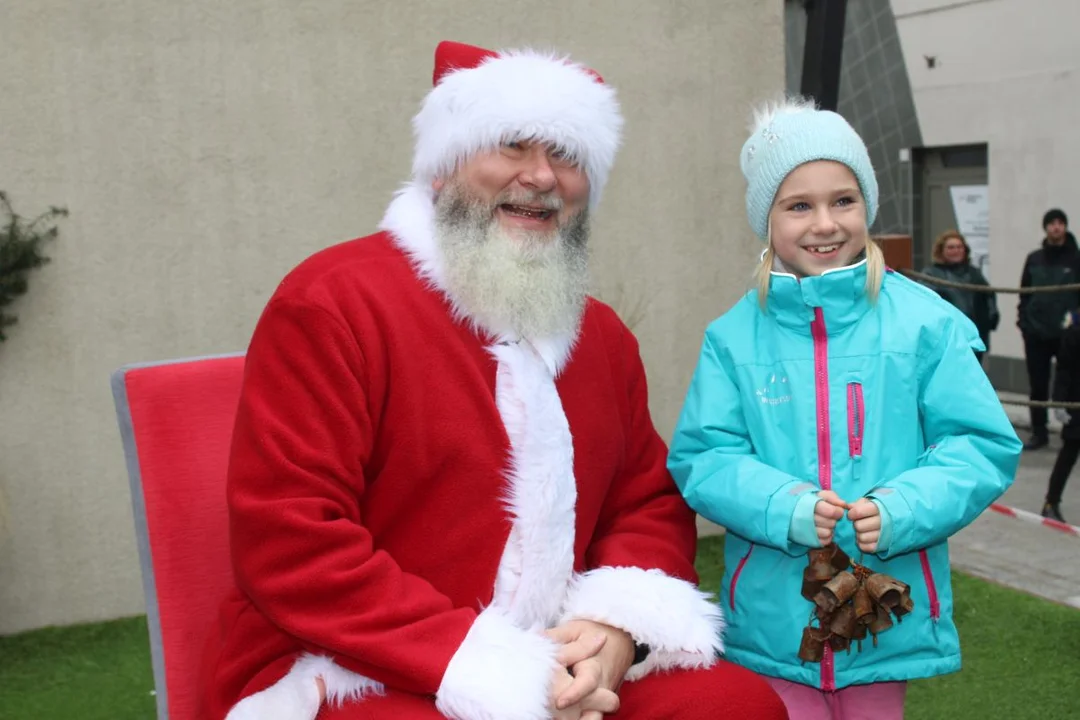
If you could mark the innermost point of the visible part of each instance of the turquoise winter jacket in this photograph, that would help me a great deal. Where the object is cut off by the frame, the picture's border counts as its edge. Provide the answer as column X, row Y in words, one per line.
column 826, row 390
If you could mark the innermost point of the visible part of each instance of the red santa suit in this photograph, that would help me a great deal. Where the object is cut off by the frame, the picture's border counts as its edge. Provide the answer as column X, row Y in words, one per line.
column 414, row 498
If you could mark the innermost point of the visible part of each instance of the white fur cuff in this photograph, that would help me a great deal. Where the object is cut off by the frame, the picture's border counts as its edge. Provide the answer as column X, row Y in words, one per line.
column 500, row 672
column 681, row 625
column 296, row 696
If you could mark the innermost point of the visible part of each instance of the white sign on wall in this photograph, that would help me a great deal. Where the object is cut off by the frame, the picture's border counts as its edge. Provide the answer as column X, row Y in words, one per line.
column 971, row 204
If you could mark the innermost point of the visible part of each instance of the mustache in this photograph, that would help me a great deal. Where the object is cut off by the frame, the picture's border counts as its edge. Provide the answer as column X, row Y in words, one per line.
column 460, row 209
column 546, row 201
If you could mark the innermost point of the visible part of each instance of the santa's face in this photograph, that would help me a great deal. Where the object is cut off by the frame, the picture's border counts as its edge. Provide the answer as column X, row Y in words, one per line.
column 533, row 187
column 514, row 271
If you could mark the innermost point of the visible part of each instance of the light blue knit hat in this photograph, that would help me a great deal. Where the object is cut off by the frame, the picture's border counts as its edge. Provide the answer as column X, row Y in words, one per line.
column 792, row 133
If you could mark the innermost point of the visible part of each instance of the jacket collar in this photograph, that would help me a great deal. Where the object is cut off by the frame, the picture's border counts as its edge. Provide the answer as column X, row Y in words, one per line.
column 840, row 293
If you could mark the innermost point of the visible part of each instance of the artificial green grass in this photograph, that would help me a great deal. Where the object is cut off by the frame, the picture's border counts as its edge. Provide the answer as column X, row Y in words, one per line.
column 91, row 672
column 1020, row 661
column 1021, row 658
column 1021, row 654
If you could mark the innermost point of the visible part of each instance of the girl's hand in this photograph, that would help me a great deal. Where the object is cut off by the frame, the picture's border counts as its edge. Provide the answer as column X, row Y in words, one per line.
column 867, row 519
column 827, row 511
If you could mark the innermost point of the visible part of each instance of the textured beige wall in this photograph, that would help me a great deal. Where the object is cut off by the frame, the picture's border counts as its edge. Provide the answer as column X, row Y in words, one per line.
column 203, row 148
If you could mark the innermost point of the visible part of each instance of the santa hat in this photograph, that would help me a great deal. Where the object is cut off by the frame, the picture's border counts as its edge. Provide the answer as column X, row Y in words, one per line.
column 483, row 98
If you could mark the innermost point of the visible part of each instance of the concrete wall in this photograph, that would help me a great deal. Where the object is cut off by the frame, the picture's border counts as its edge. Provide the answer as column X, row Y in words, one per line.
column 1007, row 73
column 204, row 148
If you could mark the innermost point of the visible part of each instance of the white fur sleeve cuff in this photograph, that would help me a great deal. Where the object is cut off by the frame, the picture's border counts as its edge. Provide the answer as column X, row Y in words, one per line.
column 681, row 625
column 500, row 672
column 296, row 696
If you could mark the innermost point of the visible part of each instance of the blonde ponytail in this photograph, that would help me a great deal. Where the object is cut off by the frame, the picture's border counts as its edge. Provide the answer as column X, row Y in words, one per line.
column 763, row 275
column 875, row 269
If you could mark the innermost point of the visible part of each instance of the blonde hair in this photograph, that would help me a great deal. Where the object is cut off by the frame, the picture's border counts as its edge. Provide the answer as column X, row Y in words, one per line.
column 875, row 270
column 938, row 252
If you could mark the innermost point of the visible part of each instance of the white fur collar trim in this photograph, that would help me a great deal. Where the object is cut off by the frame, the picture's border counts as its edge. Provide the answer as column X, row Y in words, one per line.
column 410, row 218
column 541, row 495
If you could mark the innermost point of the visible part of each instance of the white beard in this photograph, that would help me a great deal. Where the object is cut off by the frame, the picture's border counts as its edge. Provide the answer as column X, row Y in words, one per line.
column 533, row 285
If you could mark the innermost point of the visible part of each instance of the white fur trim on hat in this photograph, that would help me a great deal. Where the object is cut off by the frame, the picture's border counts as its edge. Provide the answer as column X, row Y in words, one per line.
column 518, row 95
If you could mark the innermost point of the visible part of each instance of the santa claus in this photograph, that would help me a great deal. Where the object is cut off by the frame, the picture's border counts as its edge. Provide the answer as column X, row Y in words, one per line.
column 446, row 495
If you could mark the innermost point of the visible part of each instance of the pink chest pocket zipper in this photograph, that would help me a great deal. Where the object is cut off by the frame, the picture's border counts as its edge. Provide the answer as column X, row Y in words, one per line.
column 856, row 419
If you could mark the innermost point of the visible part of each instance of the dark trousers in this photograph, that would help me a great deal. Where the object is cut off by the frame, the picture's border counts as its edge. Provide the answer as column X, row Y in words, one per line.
column 1066, row 458
column 1039, row 352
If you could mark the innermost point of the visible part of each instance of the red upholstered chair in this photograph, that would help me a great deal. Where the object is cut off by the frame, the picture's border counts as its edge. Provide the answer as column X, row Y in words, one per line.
column 176, row 421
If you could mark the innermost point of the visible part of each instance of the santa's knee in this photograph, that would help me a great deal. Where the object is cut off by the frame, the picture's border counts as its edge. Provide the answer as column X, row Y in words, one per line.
column 728, row 690
column 722, row 691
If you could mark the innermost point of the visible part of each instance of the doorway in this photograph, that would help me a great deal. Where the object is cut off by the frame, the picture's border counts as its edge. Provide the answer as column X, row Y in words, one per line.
column 950, row 193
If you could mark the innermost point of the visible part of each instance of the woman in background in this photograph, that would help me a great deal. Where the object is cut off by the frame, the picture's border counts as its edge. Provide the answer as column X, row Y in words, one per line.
column 952, row 261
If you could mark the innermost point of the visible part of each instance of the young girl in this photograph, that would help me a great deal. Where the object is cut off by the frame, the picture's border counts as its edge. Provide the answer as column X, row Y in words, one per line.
column 838, row 402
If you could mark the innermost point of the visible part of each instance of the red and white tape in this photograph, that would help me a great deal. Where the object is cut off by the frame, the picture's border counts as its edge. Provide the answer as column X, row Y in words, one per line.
column 1035, row 517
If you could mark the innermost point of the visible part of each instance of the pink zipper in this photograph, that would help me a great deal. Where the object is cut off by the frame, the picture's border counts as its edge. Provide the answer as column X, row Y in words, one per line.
column 856, row 419
column 738, row 572
column 821, row 389
column 828, row 672
column 931, row 588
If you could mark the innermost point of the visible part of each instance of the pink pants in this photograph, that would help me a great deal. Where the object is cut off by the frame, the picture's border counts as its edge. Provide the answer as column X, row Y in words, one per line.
column 879, row 701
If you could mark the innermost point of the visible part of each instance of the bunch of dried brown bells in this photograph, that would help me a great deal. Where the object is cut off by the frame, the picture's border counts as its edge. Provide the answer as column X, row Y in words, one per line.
column 850, row 600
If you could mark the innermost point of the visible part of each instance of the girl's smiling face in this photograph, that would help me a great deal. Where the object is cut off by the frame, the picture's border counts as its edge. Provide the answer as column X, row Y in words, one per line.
column 818, row 219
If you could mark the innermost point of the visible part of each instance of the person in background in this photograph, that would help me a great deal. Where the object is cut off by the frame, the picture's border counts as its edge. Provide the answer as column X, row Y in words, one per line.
column 1039, row 314
column 952, row 261
column 1066, row 390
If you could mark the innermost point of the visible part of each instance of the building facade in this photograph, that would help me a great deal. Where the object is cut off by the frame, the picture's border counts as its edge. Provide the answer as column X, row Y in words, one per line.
column 969, row 110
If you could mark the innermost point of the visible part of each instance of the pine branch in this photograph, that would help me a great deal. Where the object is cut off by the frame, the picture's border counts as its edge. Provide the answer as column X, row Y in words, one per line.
column 21, row 244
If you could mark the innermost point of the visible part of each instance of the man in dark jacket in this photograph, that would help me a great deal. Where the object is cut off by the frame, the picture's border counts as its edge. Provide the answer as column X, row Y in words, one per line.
column 1040, row 315
column 1066, row 390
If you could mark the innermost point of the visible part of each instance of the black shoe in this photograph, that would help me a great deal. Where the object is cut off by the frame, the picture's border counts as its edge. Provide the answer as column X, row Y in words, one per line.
column 1037, row 442
column 1052, row 511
